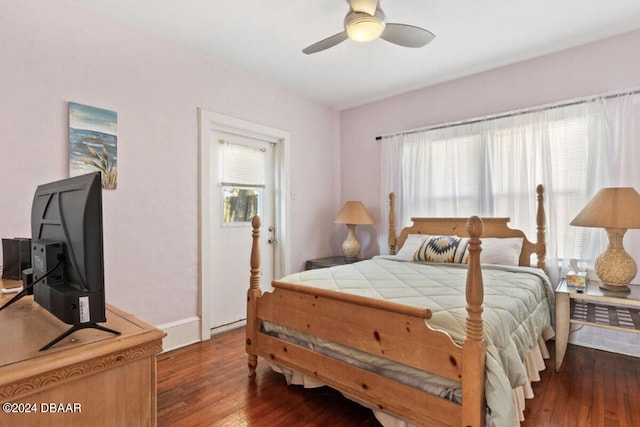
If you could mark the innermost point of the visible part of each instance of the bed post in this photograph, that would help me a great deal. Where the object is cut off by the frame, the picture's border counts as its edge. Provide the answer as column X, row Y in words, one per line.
column 473, row 348
column 253, row 294
column 392, row 224
column 541, row 222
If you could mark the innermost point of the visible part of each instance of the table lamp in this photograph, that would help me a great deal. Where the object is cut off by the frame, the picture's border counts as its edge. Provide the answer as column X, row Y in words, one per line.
column 352, row 213
column 616, row 210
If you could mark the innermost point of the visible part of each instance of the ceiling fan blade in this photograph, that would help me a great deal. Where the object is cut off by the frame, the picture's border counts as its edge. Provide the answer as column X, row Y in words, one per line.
column 407, row 35
column 326, row 43
column 366, row 6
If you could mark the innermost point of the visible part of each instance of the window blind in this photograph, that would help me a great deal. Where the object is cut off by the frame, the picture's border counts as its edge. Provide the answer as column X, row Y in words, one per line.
column 242, row 165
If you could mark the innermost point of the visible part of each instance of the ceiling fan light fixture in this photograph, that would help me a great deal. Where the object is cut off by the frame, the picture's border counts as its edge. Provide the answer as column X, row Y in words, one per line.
column 362, row 27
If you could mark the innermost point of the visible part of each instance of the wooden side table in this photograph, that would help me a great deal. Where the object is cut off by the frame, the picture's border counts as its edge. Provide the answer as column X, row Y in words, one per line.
column 594, row 307
column 328, row 262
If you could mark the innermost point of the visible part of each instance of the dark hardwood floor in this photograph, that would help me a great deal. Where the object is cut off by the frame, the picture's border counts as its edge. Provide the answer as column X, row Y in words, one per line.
column 206, row 384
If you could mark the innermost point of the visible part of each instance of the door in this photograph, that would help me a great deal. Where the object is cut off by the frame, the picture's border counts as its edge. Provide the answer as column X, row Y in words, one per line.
column 242, row 185
column 225, row 206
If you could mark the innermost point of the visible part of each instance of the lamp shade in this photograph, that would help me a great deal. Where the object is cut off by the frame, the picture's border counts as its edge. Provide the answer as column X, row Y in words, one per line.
column 353, row 212
column 615, row 207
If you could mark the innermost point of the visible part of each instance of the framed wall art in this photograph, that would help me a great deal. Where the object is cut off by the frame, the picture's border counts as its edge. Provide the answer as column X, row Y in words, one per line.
column 93, row 143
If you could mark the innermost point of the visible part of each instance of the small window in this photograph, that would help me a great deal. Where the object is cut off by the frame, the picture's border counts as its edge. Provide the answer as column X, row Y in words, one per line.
column 240, row 204
column 242, row 183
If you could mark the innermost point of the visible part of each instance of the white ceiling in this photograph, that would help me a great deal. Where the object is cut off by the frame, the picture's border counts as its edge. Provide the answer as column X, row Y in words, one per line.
column 266, row 37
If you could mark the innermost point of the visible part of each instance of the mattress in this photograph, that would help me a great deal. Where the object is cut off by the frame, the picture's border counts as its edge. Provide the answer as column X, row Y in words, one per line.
column 517, row 310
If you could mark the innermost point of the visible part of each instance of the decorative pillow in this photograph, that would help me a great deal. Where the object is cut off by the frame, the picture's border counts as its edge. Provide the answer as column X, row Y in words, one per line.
column 410, row 246
column 442, row 249
column 504, row 251
column 495, row 250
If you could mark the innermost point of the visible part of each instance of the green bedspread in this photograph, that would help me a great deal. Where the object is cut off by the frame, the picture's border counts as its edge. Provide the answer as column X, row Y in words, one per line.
column 517, row 308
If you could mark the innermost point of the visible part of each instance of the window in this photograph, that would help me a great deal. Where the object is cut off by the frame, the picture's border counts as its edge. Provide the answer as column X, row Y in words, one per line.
column 570, row 183
column 491, row 166
column 494, row 170
column 242, row 183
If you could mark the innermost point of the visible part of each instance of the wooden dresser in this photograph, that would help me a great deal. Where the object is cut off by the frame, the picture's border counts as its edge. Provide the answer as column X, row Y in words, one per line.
column 90, row 378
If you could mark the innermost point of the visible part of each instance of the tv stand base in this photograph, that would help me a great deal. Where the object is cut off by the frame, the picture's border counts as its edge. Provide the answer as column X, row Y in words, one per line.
column 75, row 328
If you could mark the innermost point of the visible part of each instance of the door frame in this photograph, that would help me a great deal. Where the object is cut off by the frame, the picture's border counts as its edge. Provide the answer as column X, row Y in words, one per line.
column 208, row 121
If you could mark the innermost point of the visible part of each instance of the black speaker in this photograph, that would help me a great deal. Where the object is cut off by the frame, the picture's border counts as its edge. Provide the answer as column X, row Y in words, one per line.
column 16, row 256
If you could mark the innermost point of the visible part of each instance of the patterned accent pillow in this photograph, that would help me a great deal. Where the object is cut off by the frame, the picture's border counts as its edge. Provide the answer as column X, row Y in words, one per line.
column 442, row 249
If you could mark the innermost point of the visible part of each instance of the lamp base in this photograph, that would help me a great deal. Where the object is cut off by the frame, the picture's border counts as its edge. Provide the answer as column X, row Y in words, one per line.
column 351, row 246
column 615, row 288
column 615, row 267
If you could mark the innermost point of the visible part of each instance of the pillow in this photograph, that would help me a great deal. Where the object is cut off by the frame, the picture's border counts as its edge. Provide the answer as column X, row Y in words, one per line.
column 410, row 246
column 504, row 251
column 442, row 249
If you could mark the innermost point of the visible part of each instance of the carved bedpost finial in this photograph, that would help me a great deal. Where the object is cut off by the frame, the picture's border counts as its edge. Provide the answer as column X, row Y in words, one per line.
column 475, row 291
column 253, row 294
column 392, row 223
column 256, row 223
column 541, row 239
column 475, row 227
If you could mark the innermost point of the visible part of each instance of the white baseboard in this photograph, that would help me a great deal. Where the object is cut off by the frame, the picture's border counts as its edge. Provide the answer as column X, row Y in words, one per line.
column 187, row 331
column 224, row 328
column 180, row 333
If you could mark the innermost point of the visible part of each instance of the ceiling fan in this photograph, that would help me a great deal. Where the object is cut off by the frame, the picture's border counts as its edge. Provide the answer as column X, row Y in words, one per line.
column 365, row 21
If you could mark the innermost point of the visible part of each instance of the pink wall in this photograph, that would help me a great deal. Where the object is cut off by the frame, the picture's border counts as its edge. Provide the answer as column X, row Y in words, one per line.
column 52, row 52
column 605, row 66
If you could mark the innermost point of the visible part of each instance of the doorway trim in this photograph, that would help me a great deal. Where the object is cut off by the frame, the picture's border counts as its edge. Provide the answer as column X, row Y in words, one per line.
column 208, row 121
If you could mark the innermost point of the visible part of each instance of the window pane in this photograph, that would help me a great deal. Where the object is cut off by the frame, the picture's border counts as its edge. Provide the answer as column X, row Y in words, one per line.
column 242, row 182
column 442, row 174
column 240, row 204
column 570, row 177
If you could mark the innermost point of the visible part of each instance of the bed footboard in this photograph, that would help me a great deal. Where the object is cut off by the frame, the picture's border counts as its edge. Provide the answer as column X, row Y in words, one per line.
column 386, row 329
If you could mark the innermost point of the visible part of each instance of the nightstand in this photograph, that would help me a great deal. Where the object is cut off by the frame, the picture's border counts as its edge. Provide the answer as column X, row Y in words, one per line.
column 328, row 262
column 594, row 307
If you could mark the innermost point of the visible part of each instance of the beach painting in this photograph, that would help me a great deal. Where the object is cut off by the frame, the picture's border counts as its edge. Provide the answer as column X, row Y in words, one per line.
column 93, row 143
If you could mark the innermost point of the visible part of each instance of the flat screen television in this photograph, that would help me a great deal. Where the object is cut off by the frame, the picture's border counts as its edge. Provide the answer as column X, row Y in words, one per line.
column 67, row 252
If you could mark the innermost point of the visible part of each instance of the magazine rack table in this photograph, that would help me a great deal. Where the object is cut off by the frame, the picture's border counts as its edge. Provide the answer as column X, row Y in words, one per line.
column 593, row 306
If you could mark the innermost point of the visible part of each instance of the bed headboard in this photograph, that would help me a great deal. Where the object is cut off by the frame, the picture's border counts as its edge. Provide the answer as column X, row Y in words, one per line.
column 493, row 227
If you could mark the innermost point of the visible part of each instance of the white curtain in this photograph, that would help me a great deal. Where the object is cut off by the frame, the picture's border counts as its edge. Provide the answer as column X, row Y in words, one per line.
column 491, row 167
column 391, row 170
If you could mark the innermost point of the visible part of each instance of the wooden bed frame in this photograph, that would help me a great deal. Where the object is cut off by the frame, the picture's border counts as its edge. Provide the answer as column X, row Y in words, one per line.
column 390, row 330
